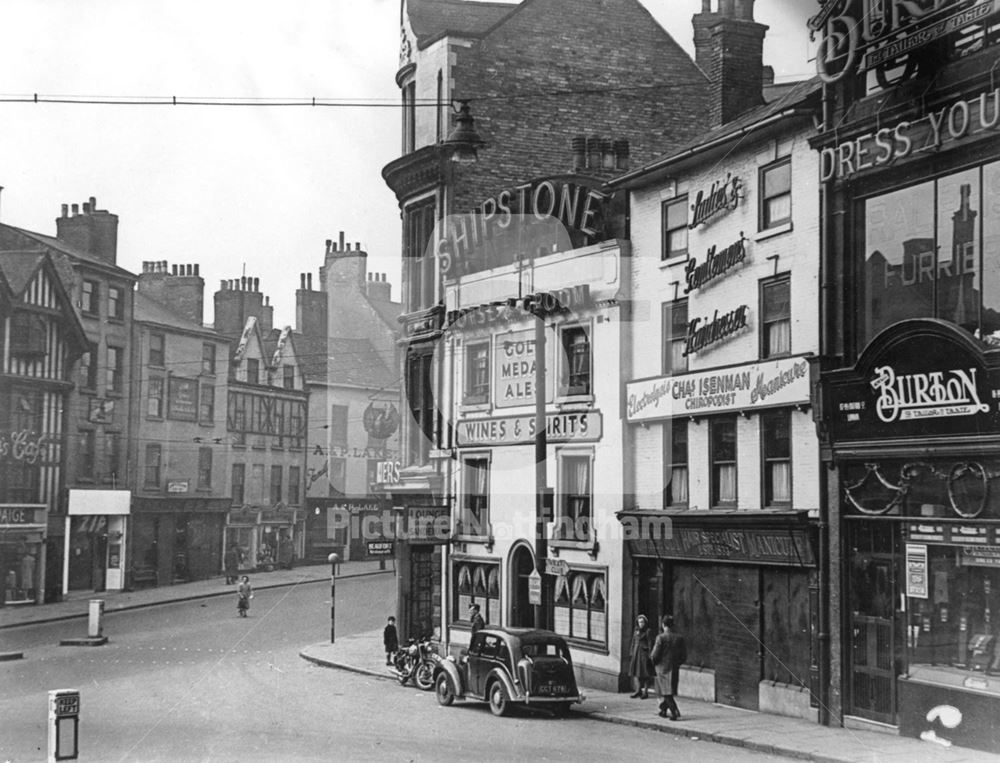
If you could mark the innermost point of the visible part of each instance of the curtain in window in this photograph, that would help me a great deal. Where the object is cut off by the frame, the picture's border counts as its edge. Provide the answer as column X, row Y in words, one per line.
column 598, row 607
column 781, row 479
column 727, row 482
column 779, row 337
column 479, row 581
column 464, row 578
column 679, row 484
column 581, row 606
column 581, row 478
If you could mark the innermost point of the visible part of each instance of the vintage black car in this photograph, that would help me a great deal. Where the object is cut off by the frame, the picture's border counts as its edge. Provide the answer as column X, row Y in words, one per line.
column 510, row 666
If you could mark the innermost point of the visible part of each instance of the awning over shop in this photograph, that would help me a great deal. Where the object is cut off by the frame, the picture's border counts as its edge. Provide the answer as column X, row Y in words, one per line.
column 786, row 538
column 164, row 505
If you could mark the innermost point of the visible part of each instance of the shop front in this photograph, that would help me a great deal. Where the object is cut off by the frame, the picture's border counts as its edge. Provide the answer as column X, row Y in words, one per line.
column 915, row 435
column 743, row 591
column 176, row 540
column 96, row 540
column 22, row 552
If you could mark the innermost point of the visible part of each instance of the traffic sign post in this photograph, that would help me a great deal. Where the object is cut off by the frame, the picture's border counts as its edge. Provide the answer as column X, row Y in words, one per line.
column 535, row 588
column 64, row 724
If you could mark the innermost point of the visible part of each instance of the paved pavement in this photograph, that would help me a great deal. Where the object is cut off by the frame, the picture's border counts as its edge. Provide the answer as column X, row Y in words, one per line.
column 769, row 734
column 363, row 654
column 78, row 603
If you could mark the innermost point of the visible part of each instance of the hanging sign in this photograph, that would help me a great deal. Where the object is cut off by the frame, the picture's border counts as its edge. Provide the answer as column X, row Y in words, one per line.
column 723, row 196
column 916, row 570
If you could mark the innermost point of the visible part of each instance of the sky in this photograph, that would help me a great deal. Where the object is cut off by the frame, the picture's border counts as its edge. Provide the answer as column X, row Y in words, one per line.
column 235, row 189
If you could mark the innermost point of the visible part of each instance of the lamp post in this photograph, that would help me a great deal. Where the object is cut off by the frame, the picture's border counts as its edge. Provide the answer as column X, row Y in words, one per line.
column 333, row 559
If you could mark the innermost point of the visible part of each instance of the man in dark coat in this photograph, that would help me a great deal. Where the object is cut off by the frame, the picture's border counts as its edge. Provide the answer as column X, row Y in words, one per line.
column 232, row 564
column 669, row 653
column 390, row 640
column 476, row 619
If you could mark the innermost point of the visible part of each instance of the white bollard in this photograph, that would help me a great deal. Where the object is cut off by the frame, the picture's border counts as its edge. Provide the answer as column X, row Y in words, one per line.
column 94, row 624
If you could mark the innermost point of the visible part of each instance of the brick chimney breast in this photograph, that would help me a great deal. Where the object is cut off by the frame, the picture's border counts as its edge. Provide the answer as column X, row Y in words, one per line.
column 95, row 232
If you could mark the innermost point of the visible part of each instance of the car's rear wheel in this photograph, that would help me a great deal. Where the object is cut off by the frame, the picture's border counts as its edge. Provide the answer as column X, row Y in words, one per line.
column 499, row 700
column 444, row 690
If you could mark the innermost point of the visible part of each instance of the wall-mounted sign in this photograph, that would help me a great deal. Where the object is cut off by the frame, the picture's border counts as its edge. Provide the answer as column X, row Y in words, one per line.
column 522, row 308
column 556, row 566
column 182, row 399
column 973, row 556
column 919, row 379
column 566, row 426
column 177, row 486
column 101, row 410
column 716, row 264
column 893, row 143
column 21, row 445
column 514, row 369
column 702, row 332
column 766, row 384
column 22, row 515
column 790, row 546
column 858, row 35
column 379, row 548
column 502, row 224
column 723, row 196
column 916, row 570
column 387, row 472
column 381, row 421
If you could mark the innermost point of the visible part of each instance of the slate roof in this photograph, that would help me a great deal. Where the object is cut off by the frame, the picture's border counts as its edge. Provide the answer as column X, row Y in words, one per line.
column 19, row 267
column 71, row 251
column 148, row 309
column 433, row 18
column 351, row 361
column 794, row 96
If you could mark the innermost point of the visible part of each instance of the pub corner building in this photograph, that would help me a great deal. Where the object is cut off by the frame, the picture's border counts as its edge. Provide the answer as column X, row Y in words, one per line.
column 910, row 335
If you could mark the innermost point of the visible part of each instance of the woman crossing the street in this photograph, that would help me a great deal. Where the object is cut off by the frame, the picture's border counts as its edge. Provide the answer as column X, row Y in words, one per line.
column 245, row 592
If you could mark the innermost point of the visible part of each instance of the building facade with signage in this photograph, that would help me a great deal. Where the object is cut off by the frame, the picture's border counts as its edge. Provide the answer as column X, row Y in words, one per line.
column 267, row 424
column 910, row 171
column 40, row 339
column 531, row 75
column 179, row 437
column 346, row 334
column 722, row 464
column 85, row 251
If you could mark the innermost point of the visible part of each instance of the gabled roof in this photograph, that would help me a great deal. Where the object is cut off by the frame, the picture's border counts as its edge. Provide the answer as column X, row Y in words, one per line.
column 69, row 250
column 353, row 362
column 431, row 19
column 795, row 101
column 19, row 268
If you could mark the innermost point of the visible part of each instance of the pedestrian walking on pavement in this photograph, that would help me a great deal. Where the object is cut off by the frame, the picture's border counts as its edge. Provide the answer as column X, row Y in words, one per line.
column 669, row 653
column 639, row 666
column 476, row 621
column 232, row 565
column 244, row 592
column 390, row 640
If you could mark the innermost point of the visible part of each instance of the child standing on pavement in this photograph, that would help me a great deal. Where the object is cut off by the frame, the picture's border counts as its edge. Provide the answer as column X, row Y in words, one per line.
column 244, row 592
column 390, row 640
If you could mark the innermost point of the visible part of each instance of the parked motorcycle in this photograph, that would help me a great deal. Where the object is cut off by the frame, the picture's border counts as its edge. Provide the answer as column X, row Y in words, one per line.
column 416, row 661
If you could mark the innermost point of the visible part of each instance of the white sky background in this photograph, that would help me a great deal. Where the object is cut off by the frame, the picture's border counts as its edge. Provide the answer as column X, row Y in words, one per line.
column 222, row 186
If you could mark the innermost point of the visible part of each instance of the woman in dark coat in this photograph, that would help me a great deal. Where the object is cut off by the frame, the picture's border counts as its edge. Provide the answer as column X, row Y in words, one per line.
column 639, row 666
column 669, row 653
column 244, row 592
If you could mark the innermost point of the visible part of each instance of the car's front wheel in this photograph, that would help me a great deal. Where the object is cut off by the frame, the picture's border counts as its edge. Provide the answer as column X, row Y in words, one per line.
column 444, row 690
column 499, row 700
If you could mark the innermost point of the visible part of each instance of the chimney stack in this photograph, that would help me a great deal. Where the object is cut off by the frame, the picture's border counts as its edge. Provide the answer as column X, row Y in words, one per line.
column 729, row 49
column 94, row 232
column 178, row 287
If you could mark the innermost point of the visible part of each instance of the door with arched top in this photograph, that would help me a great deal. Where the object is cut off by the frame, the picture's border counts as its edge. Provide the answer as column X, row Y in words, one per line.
column 522, row 563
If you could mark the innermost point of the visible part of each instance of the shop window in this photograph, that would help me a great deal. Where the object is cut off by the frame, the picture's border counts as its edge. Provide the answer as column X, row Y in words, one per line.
column 722, row 444
column 474, row 519
column 338, row 425
column 775, row 317
column 776, row 441
column 239, row 475
column 88, row 445
column 206, row 403
column 89, row 294
column 294, row 485
column 580, row 606
column 675, row 460
column 208, row 358
column 204, row 468
column 116, row 306
column 575, row 373
column 675, row 228
column 776, row 194
column 675, row 323
column 574, row 518
column 253, row 371
column 477, row 373
column 476, row 584
column 154, row 454
column 288, row 377
column 156, row 350
column 338, row 476
column 276, row 487
column 114, row 380
column 88, row 368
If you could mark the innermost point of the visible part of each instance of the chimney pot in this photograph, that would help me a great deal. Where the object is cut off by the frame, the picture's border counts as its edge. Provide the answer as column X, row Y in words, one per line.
column 348, row 247
column 329, row 245
column 256, row 284
column 197, row 267
column 357, row 246
column 86, row 208
column 302, row 280
column 222, row 285
column 267, row 301
column 726, row 8
column 65, row 210
column 93, row 204
column 309, row 281
column 706, row 6
column 243, row 283
column 342, row 241
column 175, row 269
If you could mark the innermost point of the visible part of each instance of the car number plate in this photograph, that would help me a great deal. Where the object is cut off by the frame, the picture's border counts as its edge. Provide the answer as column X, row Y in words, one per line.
column 552, row 689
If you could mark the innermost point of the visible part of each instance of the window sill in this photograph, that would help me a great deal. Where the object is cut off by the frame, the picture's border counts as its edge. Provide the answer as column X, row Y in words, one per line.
column 484, row 540
column 116, row 321
column 471, row 407
column 156, row 366
column 114, row 393
column 583, row 545
column 677, row 259
column 575, row 399
column 777, row 230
